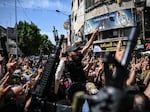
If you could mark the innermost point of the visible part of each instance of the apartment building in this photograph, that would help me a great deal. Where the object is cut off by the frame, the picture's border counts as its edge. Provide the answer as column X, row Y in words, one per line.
column 114, row 19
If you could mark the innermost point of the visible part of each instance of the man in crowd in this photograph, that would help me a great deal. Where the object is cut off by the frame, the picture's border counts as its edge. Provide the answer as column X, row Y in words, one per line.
column 72, row 64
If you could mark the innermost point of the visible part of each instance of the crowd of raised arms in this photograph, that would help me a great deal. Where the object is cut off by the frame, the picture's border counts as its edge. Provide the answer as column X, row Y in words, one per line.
column 21, row 77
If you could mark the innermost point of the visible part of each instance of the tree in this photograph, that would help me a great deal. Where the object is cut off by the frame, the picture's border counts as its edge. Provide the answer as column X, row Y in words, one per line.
column 46, row 45
column 30, row 40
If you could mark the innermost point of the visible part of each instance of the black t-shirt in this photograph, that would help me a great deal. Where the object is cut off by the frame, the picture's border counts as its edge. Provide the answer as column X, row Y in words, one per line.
column 75, row 69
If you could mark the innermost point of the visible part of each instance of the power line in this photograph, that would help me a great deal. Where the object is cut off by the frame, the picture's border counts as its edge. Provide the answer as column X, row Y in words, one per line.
column 33, row 9
column 23, row 10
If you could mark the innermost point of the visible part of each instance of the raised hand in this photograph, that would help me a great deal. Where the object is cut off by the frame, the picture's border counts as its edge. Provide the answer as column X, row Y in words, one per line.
column 119, row 52
column 11, row 65
column 3, row 89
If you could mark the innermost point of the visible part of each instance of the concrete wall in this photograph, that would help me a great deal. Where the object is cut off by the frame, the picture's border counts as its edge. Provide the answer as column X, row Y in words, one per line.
column 107, row 8
column 77, row 17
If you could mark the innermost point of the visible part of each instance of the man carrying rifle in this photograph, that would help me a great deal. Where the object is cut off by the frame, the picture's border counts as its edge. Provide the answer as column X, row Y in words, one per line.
column 72, row 65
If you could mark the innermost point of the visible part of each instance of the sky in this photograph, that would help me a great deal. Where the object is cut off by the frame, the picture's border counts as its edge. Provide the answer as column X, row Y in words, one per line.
column 41, row 12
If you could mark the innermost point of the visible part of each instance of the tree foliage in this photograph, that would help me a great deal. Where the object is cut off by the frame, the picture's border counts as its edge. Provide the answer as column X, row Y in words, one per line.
column 30, row 40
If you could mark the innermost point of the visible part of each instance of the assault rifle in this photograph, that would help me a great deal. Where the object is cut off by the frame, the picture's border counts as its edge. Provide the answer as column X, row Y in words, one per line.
column 44, row 89
column 41, row 55
column 112, row 98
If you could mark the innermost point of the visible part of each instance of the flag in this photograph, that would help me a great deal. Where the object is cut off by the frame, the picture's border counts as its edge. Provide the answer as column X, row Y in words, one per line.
column 11, row 33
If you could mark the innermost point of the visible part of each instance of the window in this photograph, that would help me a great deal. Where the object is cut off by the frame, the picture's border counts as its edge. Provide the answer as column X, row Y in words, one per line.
column 110, row 34
column 107, row 34
column 75, row 18
column 72, row 16
column 89, row 3
column 72, row 4
column 127, row 32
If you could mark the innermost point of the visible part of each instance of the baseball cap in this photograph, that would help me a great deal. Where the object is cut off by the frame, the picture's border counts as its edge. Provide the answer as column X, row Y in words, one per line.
column 73, row 48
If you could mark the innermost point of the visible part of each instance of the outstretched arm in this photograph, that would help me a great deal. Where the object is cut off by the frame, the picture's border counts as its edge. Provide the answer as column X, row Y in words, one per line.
column 89, row 43
column 59, row 72
column 58, row 75
column 147, row 91
column 119, row 52
column 147, row 79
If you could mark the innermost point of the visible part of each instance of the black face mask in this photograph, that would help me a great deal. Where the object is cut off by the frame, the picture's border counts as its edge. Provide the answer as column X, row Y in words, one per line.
column 75, row 57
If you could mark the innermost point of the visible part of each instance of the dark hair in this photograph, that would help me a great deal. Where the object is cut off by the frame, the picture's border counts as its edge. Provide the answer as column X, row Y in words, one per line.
column 144, row 106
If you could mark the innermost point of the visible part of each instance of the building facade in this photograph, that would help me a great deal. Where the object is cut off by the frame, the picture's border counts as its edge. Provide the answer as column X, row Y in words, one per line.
column 7, row 41
column 114, row 19
column 78, row 18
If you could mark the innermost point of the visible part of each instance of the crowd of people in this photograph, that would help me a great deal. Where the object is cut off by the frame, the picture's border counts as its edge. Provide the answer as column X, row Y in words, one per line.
column 78, row 70
column 20, row 79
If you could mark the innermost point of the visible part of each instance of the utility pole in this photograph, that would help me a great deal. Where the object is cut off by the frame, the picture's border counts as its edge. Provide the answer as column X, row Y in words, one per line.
column 16, row 29
column 69, row 17
column 70, row 29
